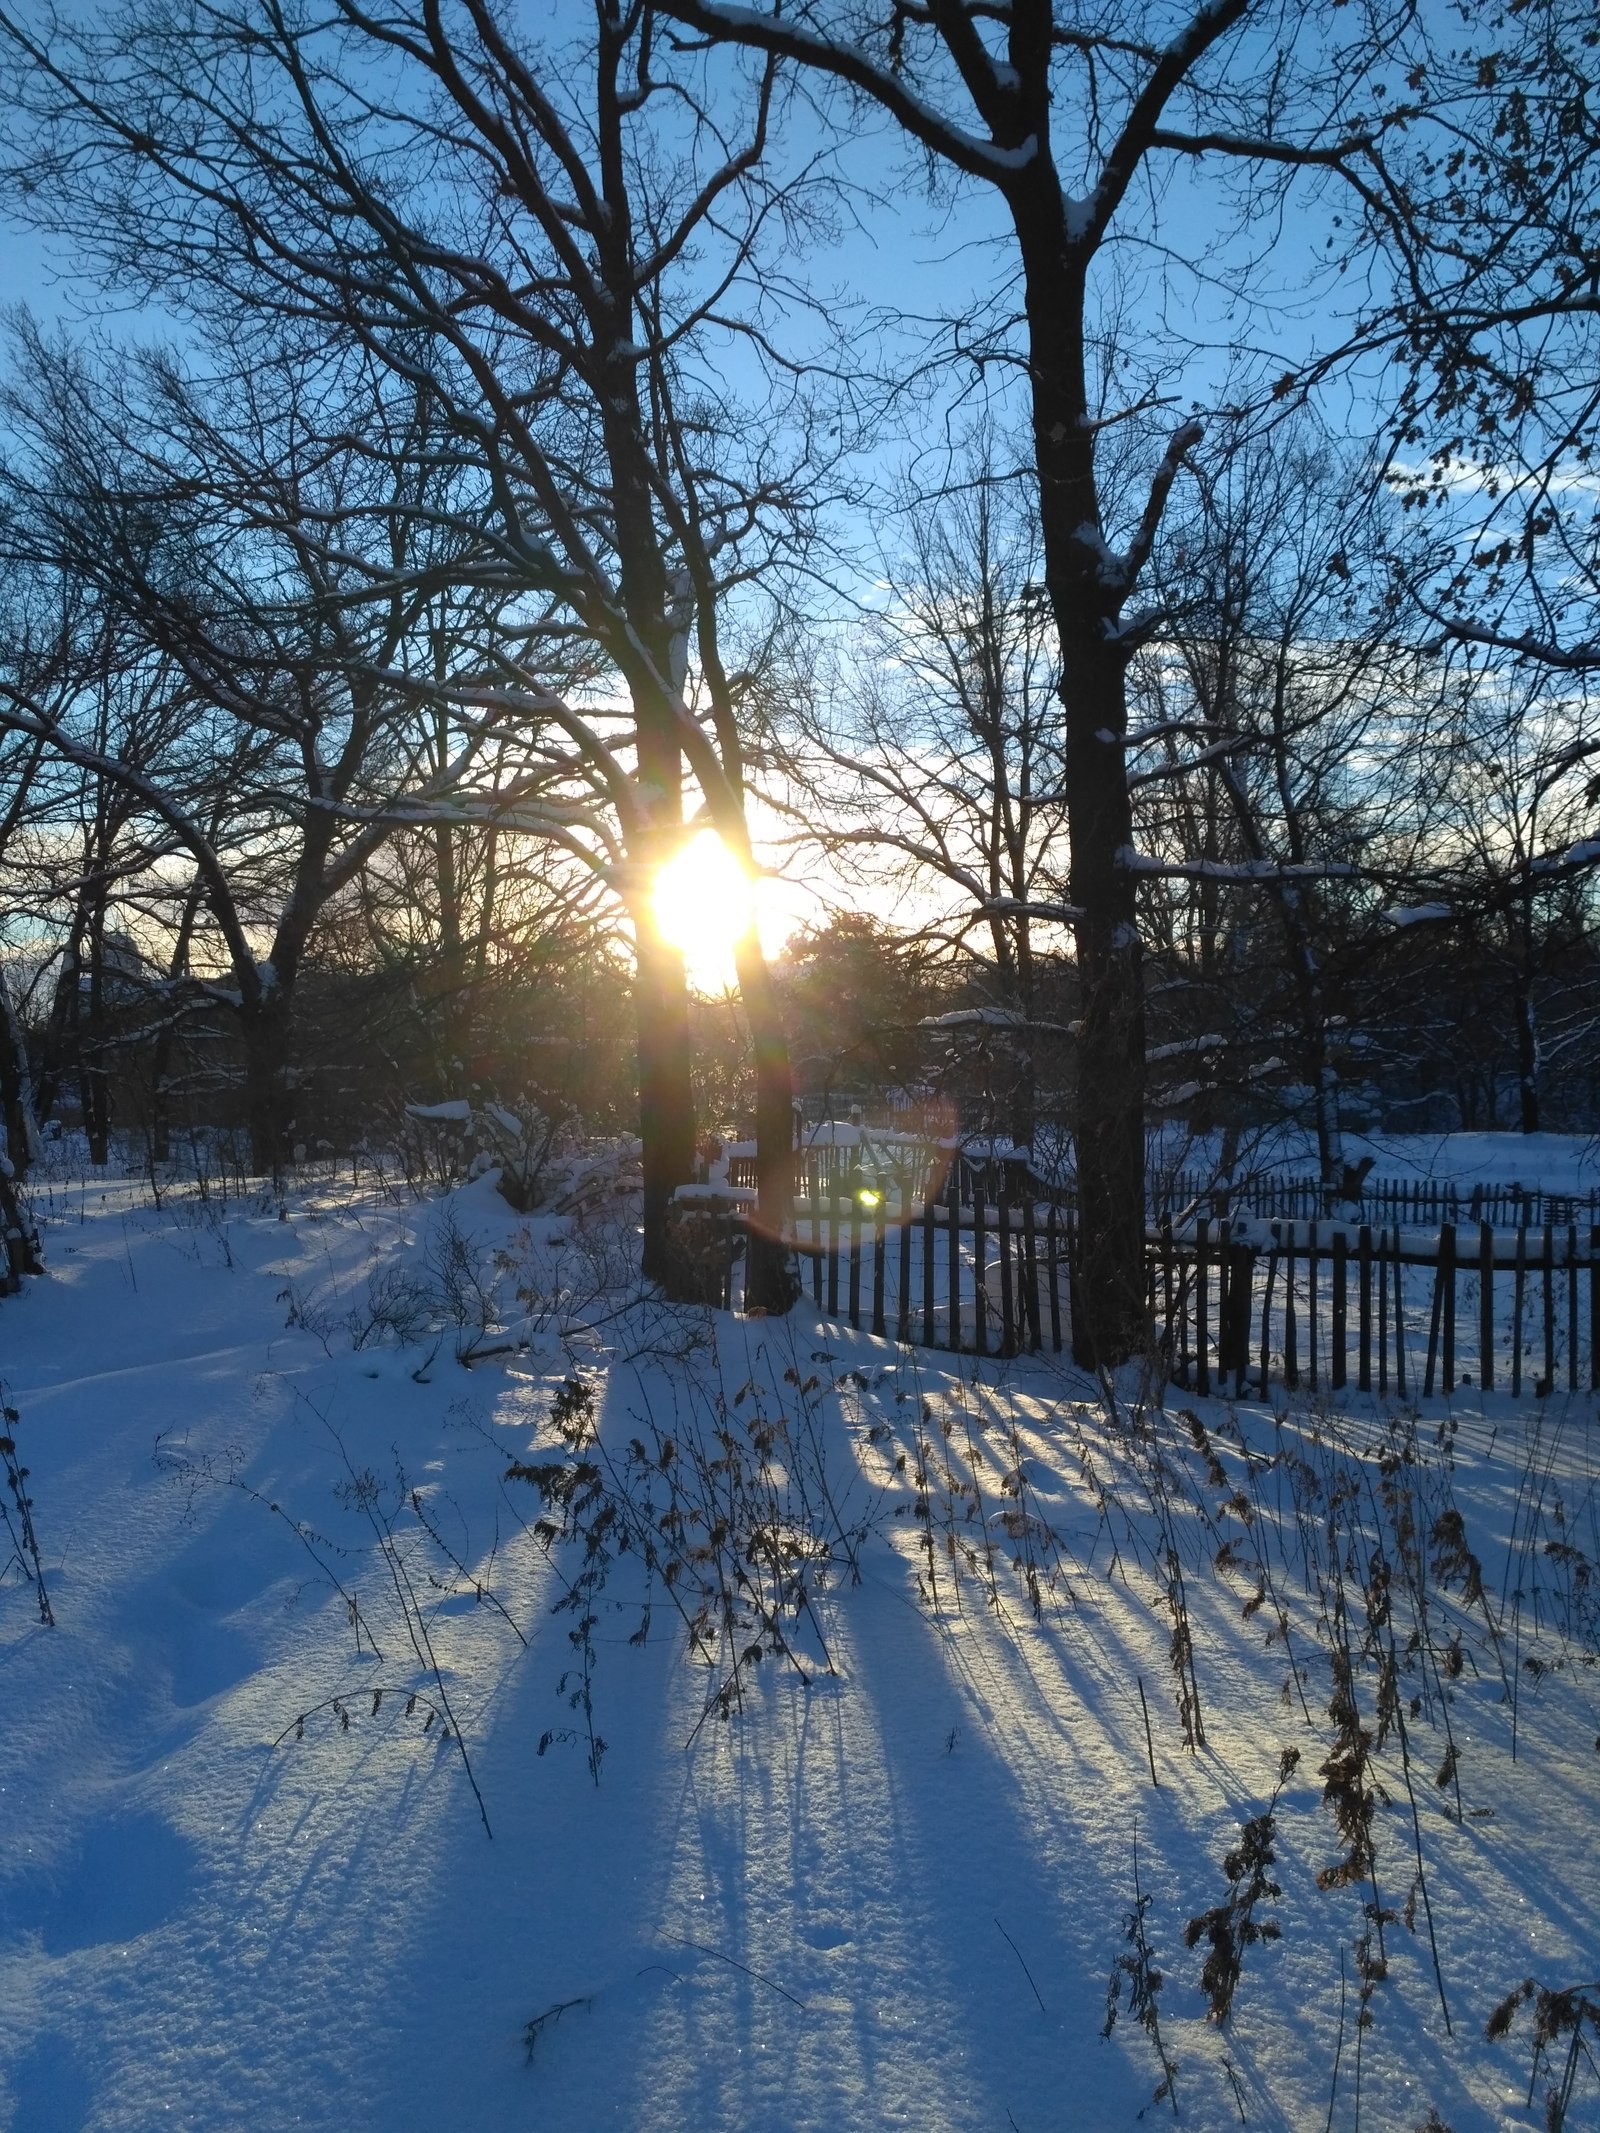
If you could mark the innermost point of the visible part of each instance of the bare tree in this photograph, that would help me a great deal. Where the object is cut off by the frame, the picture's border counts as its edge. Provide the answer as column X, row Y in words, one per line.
column 212, row 665
column 1492, row 220
column 542, row 240
column 1280, row 768
column 1083, row 130
column 939, row 771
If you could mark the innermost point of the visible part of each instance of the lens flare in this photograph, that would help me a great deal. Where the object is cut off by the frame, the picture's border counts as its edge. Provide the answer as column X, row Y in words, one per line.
column 704, row 901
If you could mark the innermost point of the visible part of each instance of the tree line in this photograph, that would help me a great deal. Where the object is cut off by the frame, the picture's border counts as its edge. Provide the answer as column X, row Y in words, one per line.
column 481, row 472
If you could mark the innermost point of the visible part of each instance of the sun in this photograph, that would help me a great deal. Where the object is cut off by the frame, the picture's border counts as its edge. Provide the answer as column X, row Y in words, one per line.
column 704, row 902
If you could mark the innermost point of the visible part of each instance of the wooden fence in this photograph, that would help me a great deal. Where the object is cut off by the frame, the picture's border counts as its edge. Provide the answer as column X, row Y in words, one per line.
column 1237, row 1304
column 1391, row 1201
column 1242, row 1304
column 921, row 1168
column 945, row 1273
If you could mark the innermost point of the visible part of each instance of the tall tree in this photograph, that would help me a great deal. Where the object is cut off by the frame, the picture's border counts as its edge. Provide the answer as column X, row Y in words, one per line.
column 559, row 243
column 219, row 663
column 939, row 768
column 1087, row 131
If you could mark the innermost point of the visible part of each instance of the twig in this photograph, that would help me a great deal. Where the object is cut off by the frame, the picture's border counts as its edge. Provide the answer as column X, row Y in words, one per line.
column 1338, row 2049
column 772, row 1984
column 533, row 2029
column 16, row 1476
column 1027, row 1973
column 482, row 1591
column 1149, row 1744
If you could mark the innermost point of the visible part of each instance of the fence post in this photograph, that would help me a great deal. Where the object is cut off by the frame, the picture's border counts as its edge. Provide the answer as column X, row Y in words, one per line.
column 1312, row 1328
column 1341, row 1266
column 879, row 1244
column 1052, row 1253
column 855, row 1252
column 1008, row 1330
column 1030, row 1268
column 1572, row 1306
column 902, row 1322
column 1202, row 1330
column 1072, row 1273
column 1241, row 1288
column 1447, row 1269
column 833, row 1247
column 954, row 1248
column 1364, row 1311
column 1519, row 1292
column 816, row 1245
column 1291, row 1330
column 1266, row 1312
column 1383, row 1315
column 1399, row 1317
column 1548, row 1383
column 1486, row 1306
column 980, row 1313
column 928, row 1250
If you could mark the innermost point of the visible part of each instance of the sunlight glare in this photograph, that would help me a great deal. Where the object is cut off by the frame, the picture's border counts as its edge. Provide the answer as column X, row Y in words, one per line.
column 704, row 901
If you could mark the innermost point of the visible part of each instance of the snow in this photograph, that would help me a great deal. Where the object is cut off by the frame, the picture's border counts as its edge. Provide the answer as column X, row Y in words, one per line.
column 1418, row 914
column 815, row 1916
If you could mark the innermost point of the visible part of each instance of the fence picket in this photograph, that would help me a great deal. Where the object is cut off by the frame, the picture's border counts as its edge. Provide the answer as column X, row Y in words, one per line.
column 1486, row 1306
column 879, row 1244
column 1312, row 1328
column 954, row 1246
column 1572, row 1307
column 1053, row 1260
column 1336, row 1361
column 1364, row 1307
column 1205, row 1282
column 980, row 1301
column 1008, row 1331
column 1548, row 1267
column 1030, row 1261
column 927, row 1273
column 1266, row 1313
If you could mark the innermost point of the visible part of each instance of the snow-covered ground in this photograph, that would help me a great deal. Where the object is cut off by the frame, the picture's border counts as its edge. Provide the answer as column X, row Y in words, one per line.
column 891, row 1887
column 1558, row 1162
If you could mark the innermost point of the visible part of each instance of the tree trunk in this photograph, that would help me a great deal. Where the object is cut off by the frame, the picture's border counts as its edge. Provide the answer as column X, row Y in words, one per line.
column 770, row 1283
column 1109, row 1320
column 265, row 1030
column 1109, row 1291
column 16, row 1088
column 666, row 1090
column 93, row 1082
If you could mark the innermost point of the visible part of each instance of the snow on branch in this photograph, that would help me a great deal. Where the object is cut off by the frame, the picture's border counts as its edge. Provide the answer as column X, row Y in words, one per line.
column 1419, row 914
column 1268, row 870
column 851, row 63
